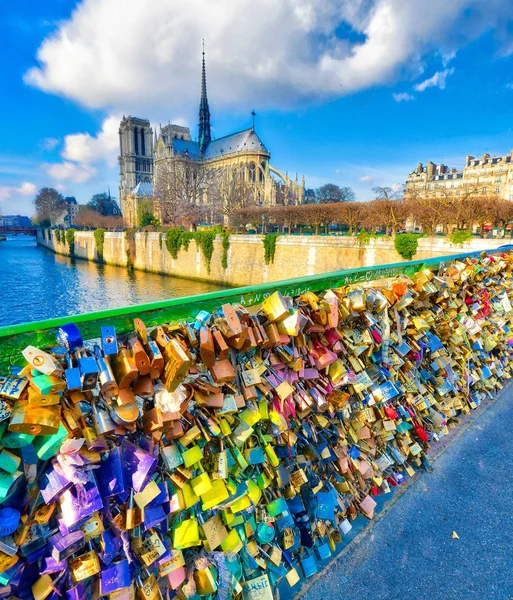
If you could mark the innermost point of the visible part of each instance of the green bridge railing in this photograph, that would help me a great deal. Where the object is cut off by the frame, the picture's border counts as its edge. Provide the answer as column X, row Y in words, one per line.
column 42, row 333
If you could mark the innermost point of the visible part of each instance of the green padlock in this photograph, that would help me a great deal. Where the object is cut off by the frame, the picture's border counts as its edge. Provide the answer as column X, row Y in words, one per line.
column 192, row 455
column 47, row 446
column 11, row 439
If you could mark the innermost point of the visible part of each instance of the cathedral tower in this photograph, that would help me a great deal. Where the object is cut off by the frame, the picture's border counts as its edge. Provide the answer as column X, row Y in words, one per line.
column 135, row 155
column 204, row 134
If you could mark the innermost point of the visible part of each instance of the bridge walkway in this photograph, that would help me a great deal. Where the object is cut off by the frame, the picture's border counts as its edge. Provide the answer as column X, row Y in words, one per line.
column 411, row 552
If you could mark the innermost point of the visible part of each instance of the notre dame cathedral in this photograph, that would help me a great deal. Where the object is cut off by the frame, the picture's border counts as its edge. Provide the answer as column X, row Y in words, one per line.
column 240, row 155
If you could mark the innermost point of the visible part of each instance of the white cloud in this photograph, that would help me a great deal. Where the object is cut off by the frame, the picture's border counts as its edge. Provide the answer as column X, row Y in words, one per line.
column 87, row 149
column 24, row 189
column 403, row 97
column 366, row 179
column 509, row 86
column 438, row 80
column 49, row 143
column 128, row 55
column 68, row 171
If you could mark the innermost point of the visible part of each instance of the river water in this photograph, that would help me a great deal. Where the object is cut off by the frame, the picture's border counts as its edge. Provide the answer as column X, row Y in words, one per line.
column 38, row 284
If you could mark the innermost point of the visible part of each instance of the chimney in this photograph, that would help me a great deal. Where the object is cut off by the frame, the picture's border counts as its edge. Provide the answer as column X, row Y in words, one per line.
column 470, row 157
column 486, row 156
column 431, row 167
column 419, row 167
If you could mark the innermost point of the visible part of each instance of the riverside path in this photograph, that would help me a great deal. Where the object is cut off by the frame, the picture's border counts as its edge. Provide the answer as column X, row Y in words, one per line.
column 411, row 552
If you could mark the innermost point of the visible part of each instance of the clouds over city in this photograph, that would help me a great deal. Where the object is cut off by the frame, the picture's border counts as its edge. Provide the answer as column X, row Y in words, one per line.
column 24, row 189
column 82, row 152
column 122, row 55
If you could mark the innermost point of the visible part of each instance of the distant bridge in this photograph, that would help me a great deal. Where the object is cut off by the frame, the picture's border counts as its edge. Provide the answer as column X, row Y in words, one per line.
column 16, row 230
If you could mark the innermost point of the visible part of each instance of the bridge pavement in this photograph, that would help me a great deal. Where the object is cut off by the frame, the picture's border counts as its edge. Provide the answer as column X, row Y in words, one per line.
column 411, row 553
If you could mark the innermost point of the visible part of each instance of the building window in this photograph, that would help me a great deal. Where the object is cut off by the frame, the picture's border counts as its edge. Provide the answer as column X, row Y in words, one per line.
column 136, row 140
column 143, row 144
column 497, row 190
column 498, row 179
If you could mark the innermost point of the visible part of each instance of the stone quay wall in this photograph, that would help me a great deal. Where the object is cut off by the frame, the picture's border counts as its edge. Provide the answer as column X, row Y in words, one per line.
column 295, row 256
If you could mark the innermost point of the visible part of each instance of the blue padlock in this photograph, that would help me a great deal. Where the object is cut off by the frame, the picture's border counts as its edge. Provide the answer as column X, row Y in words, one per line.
column 72, row 376
column 88, row 372
column 69, row 336
column 109, row 341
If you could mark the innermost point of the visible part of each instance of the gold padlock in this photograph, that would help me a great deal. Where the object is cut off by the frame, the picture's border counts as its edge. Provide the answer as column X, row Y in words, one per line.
column 124, row 368
column 35, row 420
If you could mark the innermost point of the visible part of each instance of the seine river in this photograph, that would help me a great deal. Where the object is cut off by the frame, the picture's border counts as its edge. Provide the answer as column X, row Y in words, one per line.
column 38, row 284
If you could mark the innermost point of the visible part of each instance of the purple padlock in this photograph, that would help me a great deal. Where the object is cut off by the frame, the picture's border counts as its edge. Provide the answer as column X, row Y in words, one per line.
column 110, row 545
column 50, row 565
column 139, row 465
column 78, row 592
column 80, row 502
column 52, row 485
column 116, row 577
column 111, row 476
column 64, row 546
column 153, row 515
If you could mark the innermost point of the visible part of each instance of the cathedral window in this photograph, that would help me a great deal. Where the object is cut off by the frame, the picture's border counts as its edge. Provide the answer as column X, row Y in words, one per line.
column 252, row 172
column 143, row 144
column 136, row 140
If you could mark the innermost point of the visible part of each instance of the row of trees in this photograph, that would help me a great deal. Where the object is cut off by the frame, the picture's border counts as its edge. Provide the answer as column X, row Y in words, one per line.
column 390, row 215
column 51, row 207
column 187, row 193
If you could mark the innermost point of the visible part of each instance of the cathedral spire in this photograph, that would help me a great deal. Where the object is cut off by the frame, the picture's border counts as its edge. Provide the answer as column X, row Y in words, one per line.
column 204, row 112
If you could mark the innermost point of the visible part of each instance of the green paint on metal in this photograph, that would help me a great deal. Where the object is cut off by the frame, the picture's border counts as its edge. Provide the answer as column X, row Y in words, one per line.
column 42, row 333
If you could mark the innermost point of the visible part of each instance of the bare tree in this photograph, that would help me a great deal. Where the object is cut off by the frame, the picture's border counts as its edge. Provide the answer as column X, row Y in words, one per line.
column 388, row 193
column 180, row 191
column 229, row 192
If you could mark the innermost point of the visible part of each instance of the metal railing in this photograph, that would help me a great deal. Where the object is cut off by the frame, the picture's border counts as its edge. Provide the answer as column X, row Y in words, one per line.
column 42, row 333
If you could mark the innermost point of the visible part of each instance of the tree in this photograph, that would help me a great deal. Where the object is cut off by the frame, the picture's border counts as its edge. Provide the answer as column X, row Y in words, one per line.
column 388, row 193
column 180, row 191
column 350, row 214
column 390, row 214
column 103, row 204
column 90, row 218
column 229, row 192
column 331, row 192
column 49, row 205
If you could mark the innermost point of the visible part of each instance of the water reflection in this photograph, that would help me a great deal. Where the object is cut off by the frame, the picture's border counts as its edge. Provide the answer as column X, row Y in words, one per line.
column 38, row 284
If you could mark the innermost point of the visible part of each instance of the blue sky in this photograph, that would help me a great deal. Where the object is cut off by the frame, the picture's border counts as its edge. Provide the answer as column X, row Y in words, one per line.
column 354, row 92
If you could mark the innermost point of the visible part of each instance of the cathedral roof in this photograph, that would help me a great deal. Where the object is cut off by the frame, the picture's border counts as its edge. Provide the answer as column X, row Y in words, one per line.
column 143, row 188
column 242, row 141
column 186, row 146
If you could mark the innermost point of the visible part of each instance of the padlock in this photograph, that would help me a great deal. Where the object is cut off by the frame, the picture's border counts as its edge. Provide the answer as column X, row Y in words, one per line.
column 108, row 341
column 156, row 359
column 42, row 361
column 206, row 347
column 124, row 368
column 37, row 399
column 148, row 587
column 102, row 419
column 201, row 484
column 142, row 361
column 220, row 462
column 108, row 385
column 35, row 420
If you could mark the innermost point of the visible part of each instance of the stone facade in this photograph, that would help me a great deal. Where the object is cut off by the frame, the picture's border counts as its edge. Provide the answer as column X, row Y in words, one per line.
column 295, row 256
column 489, row 175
